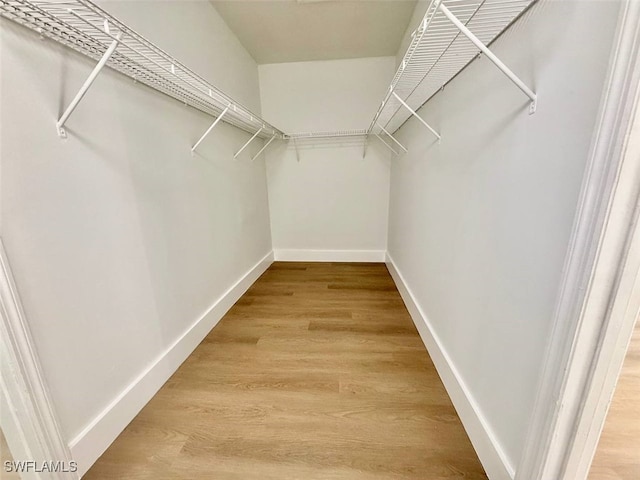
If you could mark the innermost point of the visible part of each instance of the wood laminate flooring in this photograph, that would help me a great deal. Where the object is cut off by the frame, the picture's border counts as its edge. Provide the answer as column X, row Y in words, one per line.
column 5, row 456
column 618, row 453
column 317, row 372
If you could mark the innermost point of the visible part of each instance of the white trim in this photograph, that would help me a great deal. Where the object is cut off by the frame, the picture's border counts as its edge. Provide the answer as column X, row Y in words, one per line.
column 583, row 307
column 484, row 441
column 613, row 300
column 27, row 415
column 300, row 255
column 621, row 318
column 103, row 430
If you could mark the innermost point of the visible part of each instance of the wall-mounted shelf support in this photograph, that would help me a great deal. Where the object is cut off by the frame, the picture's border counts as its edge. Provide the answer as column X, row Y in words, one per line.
column 440, row 48
column 364, row 147
column 295, row 145
column 87, row 84
column 85, row 27
column 263, row 148
column 386, row 144
column 393, row 138
column 213, row 125
column 404, row 104
column 247, row 144
column 491, row 56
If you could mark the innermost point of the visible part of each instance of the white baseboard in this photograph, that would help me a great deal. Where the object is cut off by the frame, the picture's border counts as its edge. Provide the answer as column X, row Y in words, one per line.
column 489, row 451
column 87, row 447
column 291, row 255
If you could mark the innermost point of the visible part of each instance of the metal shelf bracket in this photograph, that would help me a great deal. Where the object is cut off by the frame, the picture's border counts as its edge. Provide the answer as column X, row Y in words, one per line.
column 247, row 144
column 404, row 104
column 295, row 145
column 263, row 148
column 364, row 147
column 88, row 29
column 213, row 125
column 393, row 138
column 491, row 56
column 62, row 133
column 386, row 144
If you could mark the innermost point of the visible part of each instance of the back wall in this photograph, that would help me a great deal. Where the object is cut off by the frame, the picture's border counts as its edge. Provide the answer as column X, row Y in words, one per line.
column 331, row 204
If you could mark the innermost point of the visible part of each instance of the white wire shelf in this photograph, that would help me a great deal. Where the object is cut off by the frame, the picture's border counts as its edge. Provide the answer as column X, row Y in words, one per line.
column 439, row 50
column 86, row 28
column 319, row 135
column 450, row 35
column 343, row 138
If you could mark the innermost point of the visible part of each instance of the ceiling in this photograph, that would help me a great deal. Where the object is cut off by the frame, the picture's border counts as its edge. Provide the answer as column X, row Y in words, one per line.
column 305, row 30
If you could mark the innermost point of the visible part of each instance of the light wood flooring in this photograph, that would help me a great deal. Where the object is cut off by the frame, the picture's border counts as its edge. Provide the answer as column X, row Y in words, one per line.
column 5, row 456
column 317, row 372
column 618, row 453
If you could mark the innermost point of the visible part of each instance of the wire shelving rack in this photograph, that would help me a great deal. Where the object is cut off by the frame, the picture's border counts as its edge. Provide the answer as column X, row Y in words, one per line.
column 451, row 34
column 440, row 48
column 90, row 30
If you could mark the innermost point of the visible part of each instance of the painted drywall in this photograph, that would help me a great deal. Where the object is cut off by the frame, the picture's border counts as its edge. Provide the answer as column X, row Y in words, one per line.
column 331, row 199
column 194, row 32
column 480, row 222
column 118, row 238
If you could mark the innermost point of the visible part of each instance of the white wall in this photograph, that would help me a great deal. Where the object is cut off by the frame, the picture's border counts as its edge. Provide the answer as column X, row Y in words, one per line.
column 480, row 223
column 194, row 32
column 118, row 238
column 331, row 200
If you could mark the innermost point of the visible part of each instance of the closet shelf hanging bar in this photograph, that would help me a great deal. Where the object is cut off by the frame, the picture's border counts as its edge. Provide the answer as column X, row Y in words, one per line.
column 81, row 25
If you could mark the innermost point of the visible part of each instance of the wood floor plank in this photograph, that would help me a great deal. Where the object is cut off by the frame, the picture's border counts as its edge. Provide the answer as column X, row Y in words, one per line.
column 5, row 456
column 618, row 453
column 317, row 372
